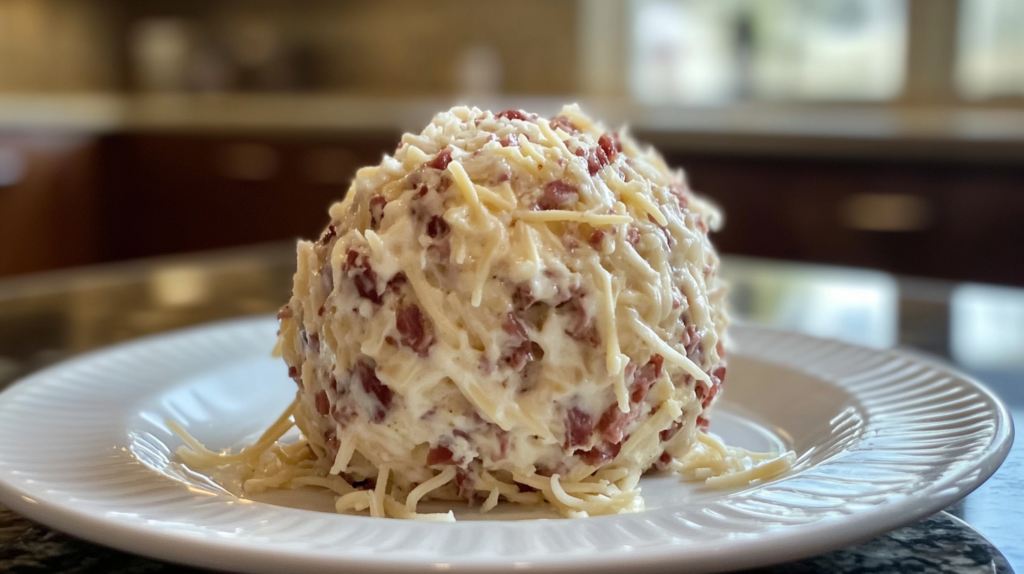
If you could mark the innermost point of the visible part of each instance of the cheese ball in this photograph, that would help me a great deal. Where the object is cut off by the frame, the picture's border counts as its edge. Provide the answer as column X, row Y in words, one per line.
column 532, row 302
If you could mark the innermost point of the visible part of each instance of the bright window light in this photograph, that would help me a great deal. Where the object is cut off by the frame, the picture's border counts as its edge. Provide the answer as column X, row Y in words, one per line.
column 990, row 48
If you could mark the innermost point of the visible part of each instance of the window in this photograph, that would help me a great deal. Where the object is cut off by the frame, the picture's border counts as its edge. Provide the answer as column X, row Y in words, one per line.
column 709, row 51
column 990, row 54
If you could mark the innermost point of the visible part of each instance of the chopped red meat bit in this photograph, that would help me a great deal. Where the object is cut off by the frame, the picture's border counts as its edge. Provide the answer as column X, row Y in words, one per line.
column 613, row 422
column 609, row 143
column 293, row 372
column 364, row 372
column 719, row 373
column 671, row 431
column 412, row 326
column 441, row 160
column 515, row 115
column 396, row 282
column 437, row 227
column 691, row 342
column 323, row 405
column 601, row 454
column 706, row 395
column 510, row 140
column 440, row 455
column 558, row 194
column 525, row 487
column 565, row 124
column 717, row 377
column 366, row 284
column 514, row 326
column 644, row 378
column 523, row 296
column 343, row 413
column 663, row 461
column 582, row 327
column 596, row 238
column 588, row 335
column 633, row 235
column 377, row 204
column 329, row 234
column 703, row 423
column 678, row 189
column 578, row 427
column 365, row 280
column 596, row 158
column 522, row 355
column 422, row 191
column 523, row 351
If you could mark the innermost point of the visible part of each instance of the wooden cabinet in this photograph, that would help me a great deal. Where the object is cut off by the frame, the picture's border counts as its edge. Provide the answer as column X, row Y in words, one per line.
column 66, row 200
column 47, row 202
column 953, row 221
column 167, row 193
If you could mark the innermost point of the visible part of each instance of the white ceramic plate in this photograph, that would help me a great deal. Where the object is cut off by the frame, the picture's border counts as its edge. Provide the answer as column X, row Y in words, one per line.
column 882, row 439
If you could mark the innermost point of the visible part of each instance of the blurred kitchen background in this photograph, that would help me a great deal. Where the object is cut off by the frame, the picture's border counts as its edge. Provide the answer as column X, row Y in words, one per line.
column 886, row 134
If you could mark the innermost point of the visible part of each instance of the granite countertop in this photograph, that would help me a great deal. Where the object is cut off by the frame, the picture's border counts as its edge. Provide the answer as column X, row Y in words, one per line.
column 989, row 134
column 939, row 544
column 46, row 318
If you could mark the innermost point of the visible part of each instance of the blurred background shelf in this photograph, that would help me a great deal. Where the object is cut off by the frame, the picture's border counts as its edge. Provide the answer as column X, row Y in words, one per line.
column 877, row 133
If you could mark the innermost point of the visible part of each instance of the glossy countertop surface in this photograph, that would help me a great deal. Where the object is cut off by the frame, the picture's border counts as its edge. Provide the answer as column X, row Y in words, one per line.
column 978, row 328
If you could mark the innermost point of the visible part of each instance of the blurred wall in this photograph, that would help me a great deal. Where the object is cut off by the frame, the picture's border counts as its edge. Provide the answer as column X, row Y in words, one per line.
column 385, row 47
column 394, row 45
column 57, row 45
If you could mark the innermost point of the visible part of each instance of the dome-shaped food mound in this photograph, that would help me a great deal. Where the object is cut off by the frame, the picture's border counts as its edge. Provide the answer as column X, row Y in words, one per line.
column 509, row 308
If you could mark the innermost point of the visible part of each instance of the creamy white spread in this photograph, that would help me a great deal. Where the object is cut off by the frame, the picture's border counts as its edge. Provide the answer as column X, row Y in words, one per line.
column 510, row 307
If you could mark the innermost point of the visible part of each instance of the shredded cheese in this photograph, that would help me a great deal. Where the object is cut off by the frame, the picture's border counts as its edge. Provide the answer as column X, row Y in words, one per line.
column 595, row 219
column 487, row 306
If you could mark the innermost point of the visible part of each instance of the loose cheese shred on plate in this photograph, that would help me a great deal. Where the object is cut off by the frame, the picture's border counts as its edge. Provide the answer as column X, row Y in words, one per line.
column 509, row 309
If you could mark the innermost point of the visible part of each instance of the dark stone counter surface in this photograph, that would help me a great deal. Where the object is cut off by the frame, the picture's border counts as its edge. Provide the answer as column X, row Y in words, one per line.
column 940, row 544
column 44, row 319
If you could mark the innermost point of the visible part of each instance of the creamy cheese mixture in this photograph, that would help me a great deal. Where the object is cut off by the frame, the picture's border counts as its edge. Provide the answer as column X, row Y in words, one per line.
column 509, row 308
